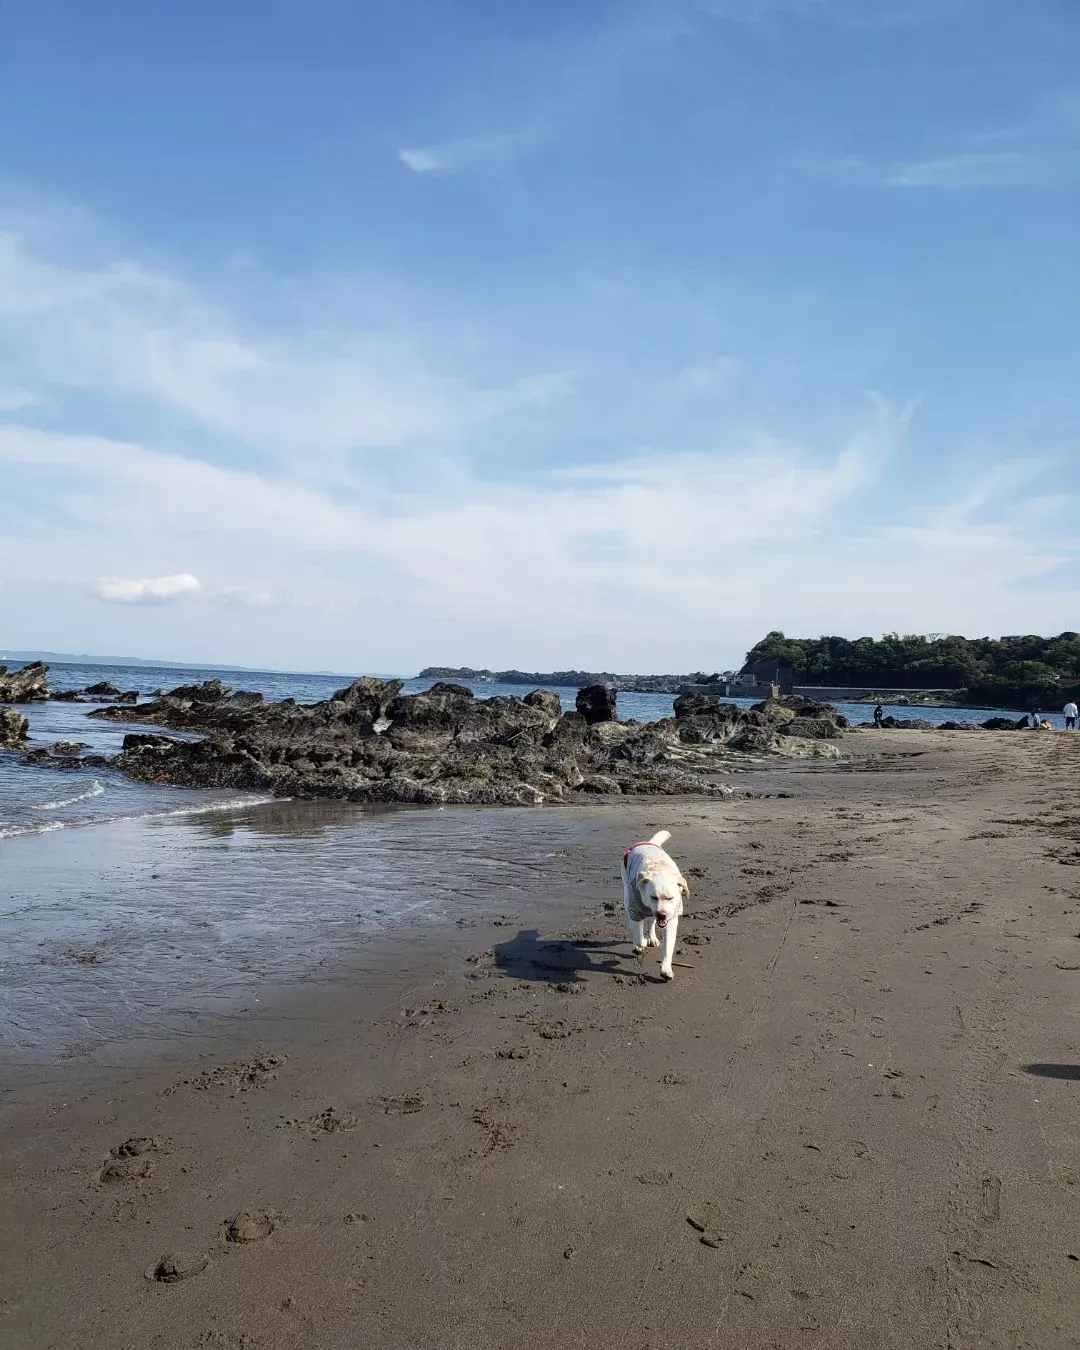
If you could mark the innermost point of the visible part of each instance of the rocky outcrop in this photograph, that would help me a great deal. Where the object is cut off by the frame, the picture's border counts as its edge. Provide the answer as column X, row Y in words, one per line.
column 28, row 685
column 596, row 703
column 31, row 685
column 370, row 742
column 813, row 728
column 14, row 729
column 102, row 687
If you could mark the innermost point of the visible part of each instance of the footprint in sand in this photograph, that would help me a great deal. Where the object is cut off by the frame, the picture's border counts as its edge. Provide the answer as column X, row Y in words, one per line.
column 706, row 1220
column 251, row 1225
column 177, row 1266
column 125, row 1169
column 401, row 1106
column 330, row 1121
column 132, row 1160
column 243, row 1075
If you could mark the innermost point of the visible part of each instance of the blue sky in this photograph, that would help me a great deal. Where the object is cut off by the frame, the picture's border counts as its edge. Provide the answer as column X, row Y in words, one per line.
column 363, row 336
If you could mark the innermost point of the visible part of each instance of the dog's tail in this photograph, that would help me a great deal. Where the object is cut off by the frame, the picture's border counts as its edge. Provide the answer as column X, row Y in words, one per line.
column 660, row 838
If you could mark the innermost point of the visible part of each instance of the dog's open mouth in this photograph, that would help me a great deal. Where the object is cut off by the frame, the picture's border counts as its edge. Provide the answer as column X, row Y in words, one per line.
column 661, row 921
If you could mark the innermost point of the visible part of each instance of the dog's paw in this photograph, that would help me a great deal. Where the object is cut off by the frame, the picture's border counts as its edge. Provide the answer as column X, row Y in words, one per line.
column 654, row 941
column 668, row 974
column 639, row 951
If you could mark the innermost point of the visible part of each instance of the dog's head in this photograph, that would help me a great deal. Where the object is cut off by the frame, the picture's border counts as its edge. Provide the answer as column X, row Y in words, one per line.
column 662, row 888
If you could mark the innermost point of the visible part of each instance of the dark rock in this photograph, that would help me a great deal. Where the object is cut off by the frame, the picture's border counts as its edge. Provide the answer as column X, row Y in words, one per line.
column 1004, row 724
column 959, row 726
column 754, row 739
column 102, row 687
column 132, row 696
column 67, row 696
column 210, row 691
column 28, row 685
column 596, row 703
column 368, row 699
column 705, row 705
column 14, row 728
column 811, row 728
column 371, row 743
column 545, row 699
column 62, row 754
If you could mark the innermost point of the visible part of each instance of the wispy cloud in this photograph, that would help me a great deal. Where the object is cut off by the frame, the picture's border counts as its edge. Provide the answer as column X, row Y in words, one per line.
column 148, row 590
column 556, row 97
column 468, row 152
column 1038, row 150
column 117, row 329
column 459, row 565
column 969, row 169
column 874, row 15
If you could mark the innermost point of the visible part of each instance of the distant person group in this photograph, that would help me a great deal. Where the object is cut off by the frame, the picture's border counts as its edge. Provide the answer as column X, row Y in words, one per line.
column 1040, row 722
column 1036, row 721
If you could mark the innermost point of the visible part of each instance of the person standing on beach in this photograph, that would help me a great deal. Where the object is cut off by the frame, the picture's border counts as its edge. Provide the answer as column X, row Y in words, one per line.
column 879, row 713
column 1070, row 712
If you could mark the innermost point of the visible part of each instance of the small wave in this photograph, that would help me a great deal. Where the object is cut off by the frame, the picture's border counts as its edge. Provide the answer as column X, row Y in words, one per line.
column 14, row 831
column 95, row 789
column 243, row 804
column 209, row 808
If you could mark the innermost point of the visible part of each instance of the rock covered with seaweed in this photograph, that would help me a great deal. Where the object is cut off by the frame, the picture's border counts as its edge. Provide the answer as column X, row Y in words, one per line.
column 372, row 743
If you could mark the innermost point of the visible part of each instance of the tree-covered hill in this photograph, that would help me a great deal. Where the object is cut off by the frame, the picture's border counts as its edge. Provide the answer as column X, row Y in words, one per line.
column 1014, row 669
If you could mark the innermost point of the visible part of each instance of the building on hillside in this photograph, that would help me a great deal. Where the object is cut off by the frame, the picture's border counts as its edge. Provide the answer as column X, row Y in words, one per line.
column 768, row 672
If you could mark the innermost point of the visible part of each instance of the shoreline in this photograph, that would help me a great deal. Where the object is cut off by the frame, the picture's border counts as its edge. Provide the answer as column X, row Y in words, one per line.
column 826, row 1131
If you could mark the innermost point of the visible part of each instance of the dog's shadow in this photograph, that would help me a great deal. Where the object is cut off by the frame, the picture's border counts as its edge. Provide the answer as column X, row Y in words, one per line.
column 528, row 956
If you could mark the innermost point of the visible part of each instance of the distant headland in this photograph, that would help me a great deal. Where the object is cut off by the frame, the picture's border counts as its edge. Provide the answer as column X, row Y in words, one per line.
column 578, row 679
column 1019, row 671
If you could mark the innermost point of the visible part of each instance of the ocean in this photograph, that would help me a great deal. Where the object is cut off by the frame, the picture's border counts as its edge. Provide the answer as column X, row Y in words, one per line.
column 37, row 800
column 128, row 911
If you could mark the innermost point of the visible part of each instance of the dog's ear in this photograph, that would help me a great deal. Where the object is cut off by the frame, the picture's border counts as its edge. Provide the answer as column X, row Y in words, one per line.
column 684, row 886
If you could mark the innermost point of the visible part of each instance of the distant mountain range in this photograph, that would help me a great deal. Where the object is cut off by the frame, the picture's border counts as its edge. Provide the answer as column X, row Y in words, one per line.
column 90, row 659
column 641, row 684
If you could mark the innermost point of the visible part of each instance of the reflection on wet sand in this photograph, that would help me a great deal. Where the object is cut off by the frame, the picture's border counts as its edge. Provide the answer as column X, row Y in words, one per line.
column 140, row 926
column 292, row 819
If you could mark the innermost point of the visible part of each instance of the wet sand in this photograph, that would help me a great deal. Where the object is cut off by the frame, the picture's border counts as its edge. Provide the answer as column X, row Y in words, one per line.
column 852, row 1121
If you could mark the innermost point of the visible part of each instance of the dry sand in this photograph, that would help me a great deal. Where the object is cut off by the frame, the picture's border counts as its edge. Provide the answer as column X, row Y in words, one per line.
column 853, row 1120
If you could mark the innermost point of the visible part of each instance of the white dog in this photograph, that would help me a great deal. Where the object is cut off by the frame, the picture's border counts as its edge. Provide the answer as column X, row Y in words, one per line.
column 653, row 894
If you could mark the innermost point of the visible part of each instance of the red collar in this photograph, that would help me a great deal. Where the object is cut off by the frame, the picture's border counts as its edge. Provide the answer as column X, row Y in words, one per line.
column 641, row 843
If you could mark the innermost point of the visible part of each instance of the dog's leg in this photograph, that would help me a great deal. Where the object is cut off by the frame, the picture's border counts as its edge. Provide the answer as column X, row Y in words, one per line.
column 651, row 939
column 637, row 930
column 670, row 931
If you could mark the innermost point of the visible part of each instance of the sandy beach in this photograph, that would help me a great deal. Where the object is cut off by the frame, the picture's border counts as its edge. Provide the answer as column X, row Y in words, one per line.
column 851, row 1121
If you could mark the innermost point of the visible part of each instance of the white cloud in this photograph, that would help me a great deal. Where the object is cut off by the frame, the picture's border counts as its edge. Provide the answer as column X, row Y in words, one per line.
column 975, row 169
column 468, row 152
column 148, row 591
column 421, row 161
column 716, row 548
column 1039, row 149
column 121, row 331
